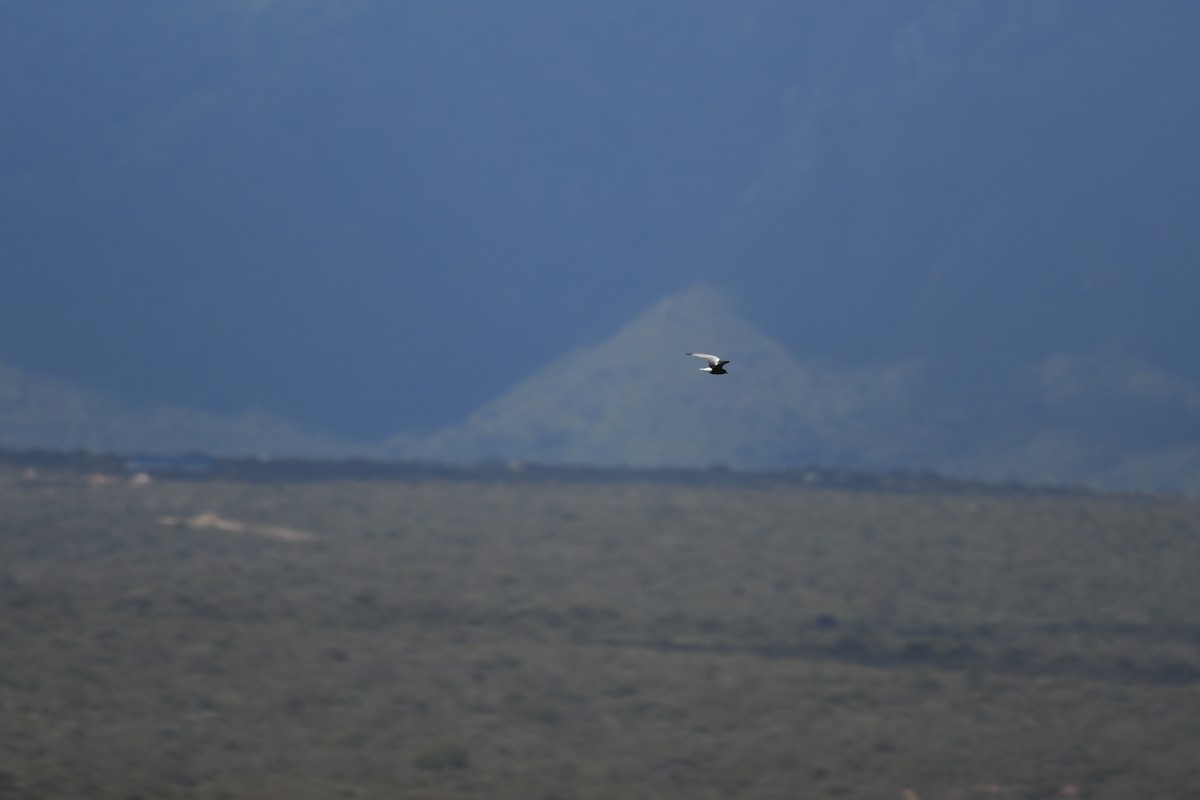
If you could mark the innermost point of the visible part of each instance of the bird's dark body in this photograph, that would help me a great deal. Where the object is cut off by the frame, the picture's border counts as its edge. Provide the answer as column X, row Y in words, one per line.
column 716, row 366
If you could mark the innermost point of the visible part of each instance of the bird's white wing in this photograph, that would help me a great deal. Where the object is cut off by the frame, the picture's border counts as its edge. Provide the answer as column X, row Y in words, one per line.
column 712, row 360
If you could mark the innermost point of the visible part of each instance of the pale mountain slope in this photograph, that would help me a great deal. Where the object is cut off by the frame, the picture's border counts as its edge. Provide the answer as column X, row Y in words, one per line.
column 637, row 399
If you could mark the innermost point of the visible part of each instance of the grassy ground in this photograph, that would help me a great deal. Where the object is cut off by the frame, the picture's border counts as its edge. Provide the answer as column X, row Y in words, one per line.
column 485, row 640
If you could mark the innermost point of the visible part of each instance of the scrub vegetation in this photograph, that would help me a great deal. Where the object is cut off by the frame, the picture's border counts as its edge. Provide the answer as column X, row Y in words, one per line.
column 468, row 638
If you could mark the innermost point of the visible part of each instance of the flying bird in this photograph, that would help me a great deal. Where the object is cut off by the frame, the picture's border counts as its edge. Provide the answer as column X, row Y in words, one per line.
column 716, row 366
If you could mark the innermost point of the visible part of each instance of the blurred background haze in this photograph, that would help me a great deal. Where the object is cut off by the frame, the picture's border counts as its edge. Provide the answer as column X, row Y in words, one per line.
column 959, row 235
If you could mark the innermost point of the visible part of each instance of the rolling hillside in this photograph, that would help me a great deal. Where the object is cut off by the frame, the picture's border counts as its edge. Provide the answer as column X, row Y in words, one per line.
column 42, row 412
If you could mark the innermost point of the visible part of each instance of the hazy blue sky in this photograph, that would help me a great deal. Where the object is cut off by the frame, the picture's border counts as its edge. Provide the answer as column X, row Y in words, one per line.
column 372, row 217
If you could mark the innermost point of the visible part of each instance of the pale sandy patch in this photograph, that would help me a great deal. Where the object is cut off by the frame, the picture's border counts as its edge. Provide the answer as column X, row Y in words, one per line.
column 215, row 522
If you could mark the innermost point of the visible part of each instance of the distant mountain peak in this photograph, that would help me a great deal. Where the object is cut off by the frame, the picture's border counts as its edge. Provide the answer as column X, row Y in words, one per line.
column 636, row 398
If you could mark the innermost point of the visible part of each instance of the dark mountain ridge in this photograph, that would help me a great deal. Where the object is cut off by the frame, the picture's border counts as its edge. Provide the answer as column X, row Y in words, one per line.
column 335, row 213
